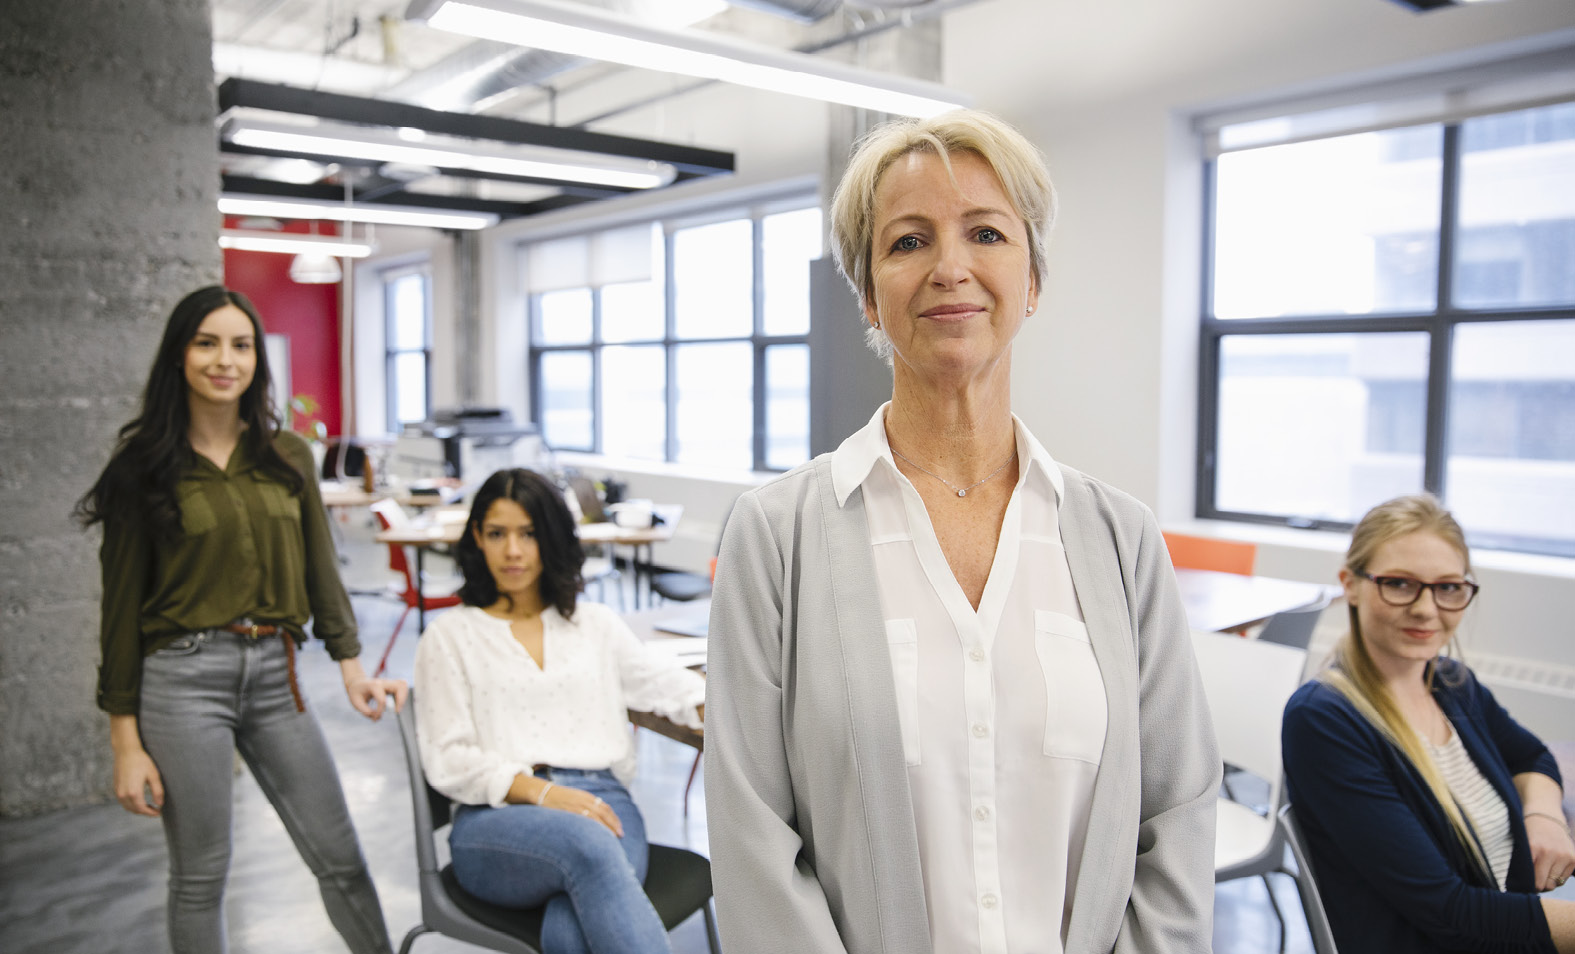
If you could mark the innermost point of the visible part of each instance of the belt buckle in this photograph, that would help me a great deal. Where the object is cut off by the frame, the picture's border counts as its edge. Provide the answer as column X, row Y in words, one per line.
column 253, row 633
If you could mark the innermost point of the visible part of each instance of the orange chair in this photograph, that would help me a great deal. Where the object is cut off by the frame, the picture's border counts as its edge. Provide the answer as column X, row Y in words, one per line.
column 1206, row 553
column 412, row 596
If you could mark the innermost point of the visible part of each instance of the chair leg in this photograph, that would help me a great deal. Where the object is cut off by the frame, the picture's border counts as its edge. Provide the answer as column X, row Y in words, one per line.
column 711, row 936
column 410, row 938
column 382, row 663
column 691, row 783
column 1278, row 914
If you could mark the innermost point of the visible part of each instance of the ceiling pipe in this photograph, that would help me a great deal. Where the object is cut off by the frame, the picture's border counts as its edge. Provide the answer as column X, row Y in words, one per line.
column 805, row 11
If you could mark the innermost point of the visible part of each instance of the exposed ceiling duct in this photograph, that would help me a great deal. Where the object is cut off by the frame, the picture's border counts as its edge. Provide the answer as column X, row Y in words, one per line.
column 807, row 11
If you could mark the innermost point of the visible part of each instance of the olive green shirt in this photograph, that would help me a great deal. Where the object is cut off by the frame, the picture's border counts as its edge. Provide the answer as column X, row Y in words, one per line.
column 248, row 549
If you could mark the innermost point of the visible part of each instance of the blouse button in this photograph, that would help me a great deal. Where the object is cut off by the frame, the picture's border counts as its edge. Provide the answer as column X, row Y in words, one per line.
column 982, row 813
column 980, row 730
column 977, row 655
column 989, row 901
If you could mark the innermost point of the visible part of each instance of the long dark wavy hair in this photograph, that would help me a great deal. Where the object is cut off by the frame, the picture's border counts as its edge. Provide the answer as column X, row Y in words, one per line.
column 561, row 556
column 153, row 448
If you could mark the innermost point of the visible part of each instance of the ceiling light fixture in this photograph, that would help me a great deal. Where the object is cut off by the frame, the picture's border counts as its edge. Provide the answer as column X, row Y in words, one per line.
column 586, row 31
column 449, row 153
column 292, row 244
column 339, row 212
column 315, row 268
column 1423, row 6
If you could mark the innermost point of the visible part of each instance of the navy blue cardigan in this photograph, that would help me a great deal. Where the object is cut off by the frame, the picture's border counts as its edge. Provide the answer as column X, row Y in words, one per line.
column 1394, row 878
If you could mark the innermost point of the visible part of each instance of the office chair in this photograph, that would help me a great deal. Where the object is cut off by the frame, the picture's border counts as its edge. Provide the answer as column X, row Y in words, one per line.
column 1294, row 628
column 1188, row 552
column 1247, row 683
column 389, row 515
column 681, row 587
column 1307, row 885
column 678, row 882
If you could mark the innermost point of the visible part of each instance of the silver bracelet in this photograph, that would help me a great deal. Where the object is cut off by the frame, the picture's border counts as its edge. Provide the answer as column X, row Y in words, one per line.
column 542, row 798
column 1552, row 818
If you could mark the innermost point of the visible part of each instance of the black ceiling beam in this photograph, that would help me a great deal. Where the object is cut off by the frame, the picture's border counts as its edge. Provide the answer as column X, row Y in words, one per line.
column 592, row 191
column 320, row 192
column 235, row 92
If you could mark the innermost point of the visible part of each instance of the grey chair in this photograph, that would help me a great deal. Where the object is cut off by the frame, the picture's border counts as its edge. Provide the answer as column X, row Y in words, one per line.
column 1307, row 885
column 1294, row 628
column 678, row 882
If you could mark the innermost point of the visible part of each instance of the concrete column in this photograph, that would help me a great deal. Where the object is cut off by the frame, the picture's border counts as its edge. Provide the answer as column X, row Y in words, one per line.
column 107, row 218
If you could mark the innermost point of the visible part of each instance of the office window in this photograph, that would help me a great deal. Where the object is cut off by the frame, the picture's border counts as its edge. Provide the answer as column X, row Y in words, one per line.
column 407, row 310
column 1390, row 311
column 677, row 341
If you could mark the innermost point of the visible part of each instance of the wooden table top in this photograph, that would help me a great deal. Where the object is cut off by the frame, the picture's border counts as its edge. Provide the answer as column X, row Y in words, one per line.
column 645, row 623
column 1216, row 602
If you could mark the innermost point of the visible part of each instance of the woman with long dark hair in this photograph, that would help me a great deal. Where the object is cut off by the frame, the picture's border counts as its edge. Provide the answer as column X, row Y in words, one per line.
column 522, row 706
column 216, row 552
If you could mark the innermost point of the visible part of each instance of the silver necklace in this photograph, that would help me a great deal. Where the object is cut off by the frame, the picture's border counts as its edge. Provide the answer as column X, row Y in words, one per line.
column 961, row 491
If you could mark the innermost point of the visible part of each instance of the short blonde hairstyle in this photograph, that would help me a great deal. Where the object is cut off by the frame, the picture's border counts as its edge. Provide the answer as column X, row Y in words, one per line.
column 1017, row 163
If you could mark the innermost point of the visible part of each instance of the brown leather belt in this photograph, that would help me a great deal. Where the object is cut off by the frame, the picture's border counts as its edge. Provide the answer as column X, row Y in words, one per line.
column 255, row 631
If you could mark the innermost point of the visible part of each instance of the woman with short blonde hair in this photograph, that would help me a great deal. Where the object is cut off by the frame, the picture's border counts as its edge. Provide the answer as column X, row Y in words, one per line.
column 954, row 702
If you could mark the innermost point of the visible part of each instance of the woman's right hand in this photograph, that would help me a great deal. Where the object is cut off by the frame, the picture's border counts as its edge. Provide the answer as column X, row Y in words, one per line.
column 135, row 777
column 584, row 803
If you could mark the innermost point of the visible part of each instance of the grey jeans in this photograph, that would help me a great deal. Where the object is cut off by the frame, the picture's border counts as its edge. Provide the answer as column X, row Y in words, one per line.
column 204, row 697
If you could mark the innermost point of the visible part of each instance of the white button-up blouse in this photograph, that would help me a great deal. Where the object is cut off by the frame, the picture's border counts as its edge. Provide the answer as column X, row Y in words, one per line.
column 1003, row 710
column 485, row 712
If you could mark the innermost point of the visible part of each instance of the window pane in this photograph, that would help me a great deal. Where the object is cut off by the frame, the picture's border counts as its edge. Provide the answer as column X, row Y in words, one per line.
column 1511, row 465
column 634, row 402
column 632, row 311
column 407, row 313
column 410, row 387
column 1517, row 209
column 716, row 408
column 1335, row 226
column 566, row 400
column 787, row 406
column 789, row 242
column 713, row 280
column 1320, row 426
column 564, row 317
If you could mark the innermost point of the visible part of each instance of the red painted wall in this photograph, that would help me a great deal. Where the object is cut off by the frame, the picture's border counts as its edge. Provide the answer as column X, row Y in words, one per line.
column 309, row 314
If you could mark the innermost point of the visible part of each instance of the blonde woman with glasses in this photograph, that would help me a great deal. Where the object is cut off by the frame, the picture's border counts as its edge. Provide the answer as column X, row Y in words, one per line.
column 1433, row 818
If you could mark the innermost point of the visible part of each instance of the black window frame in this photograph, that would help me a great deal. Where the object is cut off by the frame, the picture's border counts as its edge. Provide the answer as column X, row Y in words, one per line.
column 391, row 353
column 670, row 342
column 1439, row 324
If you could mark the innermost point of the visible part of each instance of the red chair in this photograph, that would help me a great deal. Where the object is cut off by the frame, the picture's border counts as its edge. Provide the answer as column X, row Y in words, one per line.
column 1206, row 553
column 388, row 513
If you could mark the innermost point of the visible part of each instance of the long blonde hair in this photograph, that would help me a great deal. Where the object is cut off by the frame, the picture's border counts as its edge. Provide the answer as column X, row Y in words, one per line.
column 1353, row 673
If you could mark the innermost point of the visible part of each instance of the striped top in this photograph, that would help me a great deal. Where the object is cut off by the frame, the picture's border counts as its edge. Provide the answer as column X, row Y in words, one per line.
column 1481, row 803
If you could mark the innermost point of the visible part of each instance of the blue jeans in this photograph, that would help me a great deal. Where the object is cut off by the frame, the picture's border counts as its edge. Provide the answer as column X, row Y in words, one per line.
column 203, row 697
column 589, row 880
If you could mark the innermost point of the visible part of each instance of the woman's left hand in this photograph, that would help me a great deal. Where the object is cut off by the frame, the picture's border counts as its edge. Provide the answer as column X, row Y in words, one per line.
column 367, row 693
column 1552, row 852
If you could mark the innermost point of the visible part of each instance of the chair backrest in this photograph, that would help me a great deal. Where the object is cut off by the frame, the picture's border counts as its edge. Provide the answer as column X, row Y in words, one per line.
column 1207, row 553
column 1307, row 885
column 432, row 808
column 591, row 506
column 1247, row 683
column 390, row 515
column 1295, row 627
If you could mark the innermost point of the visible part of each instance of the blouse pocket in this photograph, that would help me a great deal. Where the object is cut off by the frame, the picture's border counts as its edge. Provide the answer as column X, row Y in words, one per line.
column 1075, row 709
column 196, row 513
column 902, row 643
column 277, row 500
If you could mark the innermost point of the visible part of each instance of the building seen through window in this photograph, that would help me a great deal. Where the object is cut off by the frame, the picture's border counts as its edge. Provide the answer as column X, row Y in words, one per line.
column 1390, row 311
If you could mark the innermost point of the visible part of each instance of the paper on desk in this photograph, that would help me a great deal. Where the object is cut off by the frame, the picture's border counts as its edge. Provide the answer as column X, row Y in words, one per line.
column 687, row 651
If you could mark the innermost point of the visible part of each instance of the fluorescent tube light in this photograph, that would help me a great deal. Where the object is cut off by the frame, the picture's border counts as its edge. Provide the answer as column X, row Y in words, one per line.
column 373, row 214
column 446, row 152
column 589, row 32
column 292, row 244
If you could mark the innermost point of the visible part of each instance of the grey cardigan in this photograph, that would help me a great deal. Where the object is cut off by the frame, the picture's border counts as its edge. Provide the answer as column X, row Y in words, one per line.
column 813, row 841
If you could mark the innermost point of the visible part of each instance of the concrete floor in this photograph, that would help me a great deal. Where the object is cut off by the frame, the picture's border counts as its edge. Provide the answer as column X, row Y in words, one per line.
column 92, row 879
